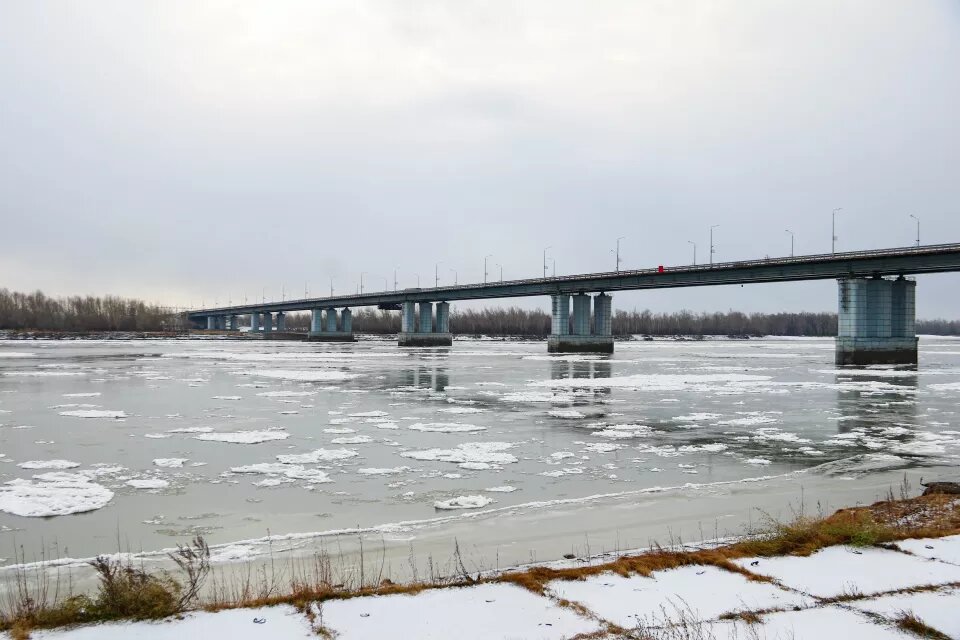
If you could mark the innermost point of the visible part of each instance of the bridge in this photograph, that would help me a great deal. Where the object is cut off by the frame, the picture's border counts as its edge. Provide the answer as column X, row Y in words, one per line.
column 876, row 301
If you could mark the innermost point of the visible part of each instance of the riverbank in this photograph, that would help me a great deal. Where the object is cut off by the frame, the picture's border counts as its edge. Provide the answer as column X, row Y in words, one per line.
column 888, row 570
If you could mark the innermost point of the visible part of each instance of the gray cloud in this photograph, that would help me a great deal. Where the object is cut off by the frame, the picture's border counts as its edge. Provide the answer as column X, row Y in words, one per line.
column 185, row 151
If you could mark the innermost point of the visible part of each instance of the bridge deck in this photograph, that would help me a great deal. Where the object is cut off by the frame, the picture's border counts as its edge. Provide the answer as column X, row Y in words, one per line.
column 882, row 262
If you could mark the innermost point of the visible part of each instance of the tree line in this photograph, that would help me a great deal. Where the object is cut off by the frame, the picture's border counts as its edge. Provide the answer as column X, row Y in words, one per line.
column 38, row 311
column 24, row 311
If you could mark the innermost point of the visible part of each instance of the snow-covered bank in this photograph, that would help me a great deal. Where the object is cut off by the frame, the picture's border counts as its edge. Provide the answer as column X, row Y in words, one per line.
column 714, row 602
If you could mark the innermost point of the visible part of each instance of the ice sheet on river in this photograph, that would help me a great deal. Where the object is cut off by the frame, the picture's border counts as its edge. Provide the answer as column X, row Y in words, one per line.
column 53, row 497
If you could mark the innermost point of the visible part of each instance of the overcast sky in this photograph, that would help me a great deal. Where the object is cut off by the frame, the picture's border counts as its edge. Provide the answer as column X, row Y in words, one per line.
column 199, row 151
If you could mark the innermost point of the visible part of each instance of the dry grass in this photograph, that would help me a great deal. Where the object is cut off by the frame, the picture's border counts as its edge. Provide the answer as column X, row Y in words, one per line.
column 909, row 622
column 127, row 591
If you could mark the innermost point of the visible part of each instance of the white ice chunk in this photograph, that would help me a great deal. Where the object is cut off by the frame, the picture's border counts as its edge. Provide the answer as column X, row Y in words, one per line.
column 49, row 464
column 56, row 498
column 94, row 413
column 446, row 427
column 464, row 502
column 244, row 437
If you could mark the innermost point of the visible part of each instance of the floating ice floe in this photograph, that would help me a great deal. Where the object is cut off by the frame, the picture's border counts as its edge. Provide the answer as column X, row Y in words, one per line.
column 464, row 502
column 460, row 410
column 370, row 414
column 290, row 471
column 757, row 461
column 340, row 430
column 504, row 489
column 478, row 455
column 373, row 471
column 286, row 394
column 49, row 464
column 697, row 417
column 52, row 497
column 566, row 414
column 654, row 382
column 226, row 397
column 147, row 483
column 169, row 462
column 623, row 431
column 319, row 455
column 191, row 430
column 42, row 374
column 445, row 427
column 91, row 394
column 305, row 375
column 244, row 437
column 358, row 439
column 94, row 413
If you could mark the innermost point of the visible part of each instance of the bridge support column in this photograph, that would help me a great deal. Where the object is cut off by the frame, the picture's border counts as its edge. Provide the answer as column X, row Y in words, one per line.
column 582, row 340
column 233, row 323
column 428, row 334
column 281, row 321
column 443, row 317
column 211, row 323
column 255, row 322
column 268, row 322
column 876, row 321
column 327, row 331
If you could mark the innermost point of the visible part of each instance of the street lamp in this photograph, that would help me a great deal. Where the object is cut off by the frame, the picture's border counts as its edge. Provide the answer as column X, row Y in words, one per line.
column 436, row 274
column 362, row 273
column 712, row 250
column 485, row 267
column 694, row 251
column 545, row 261
column 918, row 228
column 791, row 242
column 618, row 252
column 833, row 228
column 501, row 271
column 418, row 280
column 455, row 279
column 331, row 286
column 395, row 278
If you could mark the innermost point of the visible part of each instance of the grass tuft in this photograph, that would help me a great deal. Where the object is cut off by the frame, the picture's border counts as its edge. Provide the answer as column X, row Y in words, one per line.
column 910, row 623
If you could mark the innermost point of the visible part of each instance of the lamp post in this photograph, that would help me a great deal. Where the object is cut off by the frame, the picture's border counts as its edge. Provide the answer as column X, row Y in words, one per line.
column 395, row 278
column 362, row 273
column 694, row 251
column 485, row 274
column 545, row 261
column 331, row 286
column 833, row 230
column 436, row 274
column 918, row 228
column 791, row 242
column 501, row 271
column 618, row 252
column 712, row 249
column 455, row 278
column 418, row 280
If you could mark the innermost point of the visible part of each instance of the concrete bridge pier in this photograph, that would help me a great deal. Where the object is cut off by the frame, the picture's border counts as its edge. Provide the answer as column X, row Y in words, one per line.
column 877, row 321
column 428, row 333
column 267, row 322
column 281, row 321
column 211, row 323
column 582, row 339
column 325, row 329
column 255, row 322
column 233, row 323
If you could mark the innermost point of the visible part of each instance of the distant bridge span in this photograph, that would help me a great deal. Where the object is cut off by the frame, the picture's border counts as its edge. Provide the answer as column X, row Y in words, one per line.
column 872, row 309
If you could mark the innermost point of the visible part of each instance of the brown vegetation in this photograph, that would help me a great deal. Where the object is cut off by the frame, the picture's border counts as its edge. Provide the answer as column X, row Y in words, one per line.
column 36, row 311
column 127, row 591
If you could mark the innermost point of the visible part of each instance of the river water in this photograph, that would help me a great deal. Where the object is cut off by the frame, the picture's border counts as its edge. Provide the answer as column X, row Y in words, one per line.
column 142, row 444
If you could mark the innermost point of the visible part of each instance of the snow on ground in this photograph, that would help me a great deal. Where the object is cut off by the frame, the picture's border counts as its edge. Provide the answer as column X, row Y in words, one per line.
column 843, row 570
column 944, row 549
column 813, row 624
column 707, row 592
column 244, row 437
column 939, row 609
column 52, row 496
column 469, row 613
column 283, row 623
